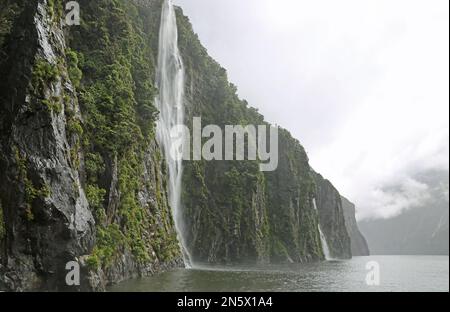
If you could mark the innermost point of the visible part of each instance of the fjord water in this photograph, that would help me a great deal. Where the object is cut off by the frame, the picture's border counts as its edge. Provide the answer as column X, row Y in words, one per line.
column 397, row 274
column 170, row 102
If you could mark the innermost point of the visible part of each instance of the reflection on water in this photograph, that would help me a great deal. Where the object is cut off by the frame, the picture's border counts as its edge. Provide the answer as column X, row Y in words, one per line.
column 398, row 273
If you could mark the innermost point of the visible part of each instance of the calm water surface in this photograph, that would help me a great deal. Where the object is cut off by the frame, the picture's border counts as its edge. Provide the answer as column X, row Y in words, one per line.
column 397, row 273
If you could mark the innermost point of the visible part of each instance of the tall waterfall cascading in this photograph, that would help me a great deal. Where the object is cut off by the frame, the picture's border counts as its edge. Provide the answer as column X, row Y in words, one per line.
column 326, row 249
column 170, row 102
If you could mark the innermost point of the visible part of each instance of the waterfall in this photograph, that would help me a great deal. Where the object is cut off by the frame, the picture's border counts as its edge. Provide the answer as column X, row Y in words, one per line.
column 170, row 102
column 326, row 249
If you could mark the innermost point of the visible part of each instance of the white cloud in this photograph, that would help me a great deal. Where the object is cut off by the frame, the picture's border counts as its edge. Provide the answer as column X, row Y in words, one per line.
column 362, row 84
column 390, row 203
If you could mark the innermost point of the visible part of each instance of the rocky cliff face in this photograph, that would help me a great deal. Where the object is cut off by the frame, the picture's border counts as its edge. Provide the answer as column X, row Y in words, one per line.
column 45, row 210
column 82, row 175
column 83, row 178
column 293, row 219
column 331, row 218
column 358, row 241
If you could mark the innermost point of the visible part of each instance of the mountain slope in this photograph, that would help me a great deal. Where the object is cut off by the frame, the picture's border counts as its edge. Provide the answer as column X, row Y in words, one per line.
column 358, row 241
column 332, row 219
column 421, row 230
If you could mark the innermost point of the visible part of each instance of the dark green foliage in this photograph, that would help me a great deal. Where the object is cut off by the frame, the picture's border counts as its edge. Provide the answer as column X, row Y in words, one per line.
column 111, row 64
column 93, row 261
column 74, row 127
column 53, row 104
column 94, row 166
column 108, row 240
column 55, row 9
column 132, row 213
column 43, row 74
column 117, row 96
column 293, row 220
column 73, row 61
column 9, row 10
column 74, row 132
column 96, row 198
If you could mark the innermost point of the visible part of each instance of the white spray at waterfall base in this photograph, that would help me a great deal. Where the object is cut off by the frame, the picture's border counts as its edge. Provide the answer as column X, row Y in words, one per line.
column 323, row 239
column 170, row 102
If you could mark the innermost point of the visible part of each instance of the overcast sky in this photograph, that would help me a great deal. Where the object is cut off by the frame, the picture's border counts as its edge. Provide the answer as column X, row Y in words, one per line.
column 363, row 84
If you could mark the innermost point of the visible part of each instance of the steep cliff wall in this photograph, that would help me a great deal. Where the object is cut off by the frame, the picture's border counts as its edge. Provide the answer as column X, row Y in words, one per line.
column 358, row 241
column 331, row 218
column 293, row 218
column 235, row 212
column 116, row 48
column 82, row 174
column 45, row 210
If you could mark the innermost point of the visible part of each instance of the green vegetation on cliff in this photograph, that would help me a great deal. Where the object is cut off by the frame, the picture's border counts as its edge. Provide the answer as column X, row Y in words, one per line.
column 111, row 62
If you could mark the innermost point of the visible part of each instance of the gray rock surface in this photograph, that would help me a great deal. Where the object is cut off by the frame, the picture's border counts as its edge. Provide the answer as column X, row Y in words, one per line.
column 358, row 241
column 331, row 218
column 46, row 214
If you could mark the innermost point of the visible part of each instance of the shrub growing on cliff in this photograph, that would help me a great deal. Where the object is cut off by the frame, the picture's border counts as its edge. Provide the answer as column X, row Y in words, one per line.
column 43, row 73
column 8, row 12
column 96, row 198
column 73, row 62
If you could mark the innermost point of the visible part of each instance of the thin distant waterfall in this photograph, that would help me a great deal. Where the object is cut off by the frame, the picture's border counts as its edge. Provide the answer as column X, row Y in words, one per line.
column 326, row 249
column 170, row 102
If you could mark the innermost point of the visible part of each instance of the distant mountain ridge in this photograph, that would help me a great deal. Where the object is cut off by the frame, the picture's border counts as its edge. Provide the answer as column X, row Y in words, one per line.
column 421, row 230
